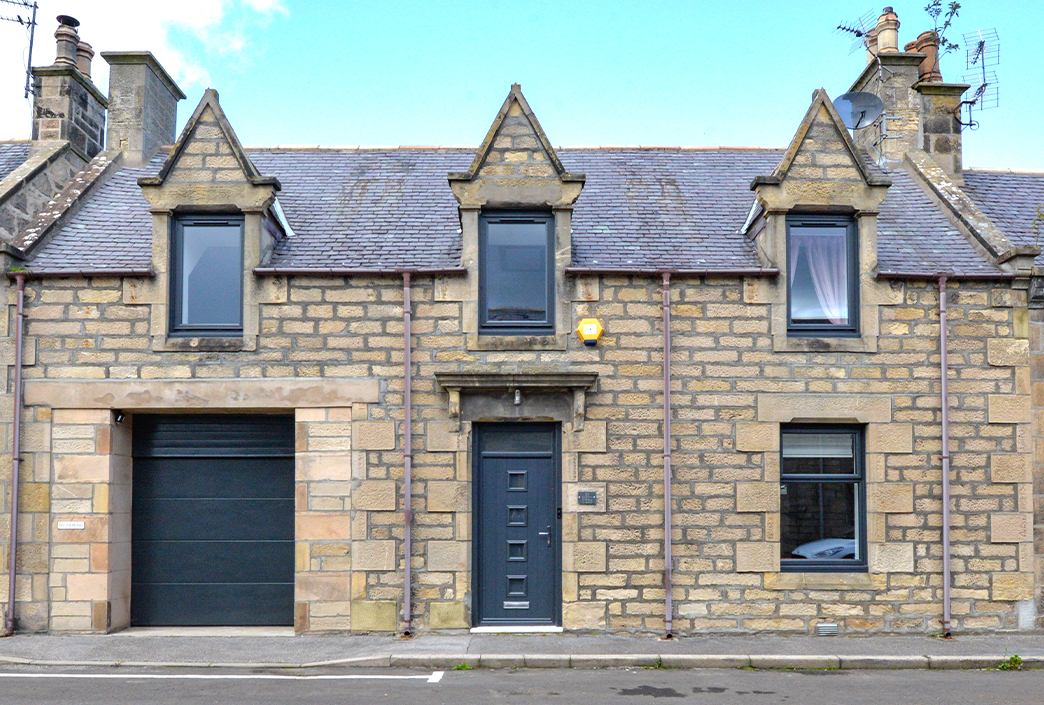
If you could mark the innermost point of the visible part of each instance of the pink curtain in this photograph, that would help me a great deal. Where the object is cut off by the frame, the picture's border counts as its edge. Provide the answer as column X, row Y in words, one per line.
column 828, row 265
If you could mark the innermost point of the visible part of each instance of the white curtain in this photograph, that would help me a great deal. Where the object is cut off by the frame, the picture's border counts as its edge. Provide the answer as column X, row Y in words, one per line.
column 828, row 265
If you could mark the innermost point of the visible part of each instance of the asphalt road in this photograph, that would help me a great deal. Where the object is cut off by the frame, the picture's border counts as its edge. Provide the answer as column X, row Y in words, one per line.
column 721, row 687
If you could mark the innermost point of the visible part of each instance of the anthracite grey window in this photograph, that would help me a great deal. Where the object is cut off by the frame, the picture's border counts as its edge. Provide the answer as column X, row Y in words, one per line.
column 207, row 276
column 516, row 274
column 822, row 276
column 822, row 499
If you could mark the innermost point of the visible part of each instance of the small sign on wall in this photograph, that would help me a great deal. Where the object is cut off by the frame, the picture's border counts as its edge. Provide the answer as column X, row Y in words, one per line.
column 584, row 497
column 70, row 525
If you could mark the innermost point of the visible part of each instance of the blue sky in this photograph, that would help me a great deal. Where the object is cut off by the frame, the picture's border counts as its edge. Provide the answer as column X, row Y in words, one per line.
column 596, row 73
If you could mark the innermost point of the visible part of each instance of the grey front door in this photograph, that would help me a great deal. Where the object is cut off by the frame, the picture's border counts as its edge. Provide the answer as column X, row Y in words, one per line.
column 517, row 546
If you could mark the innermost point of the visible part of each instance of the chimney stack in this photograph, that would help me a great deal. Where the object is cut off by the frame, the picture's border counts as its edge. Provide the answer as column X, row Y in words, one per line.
column 66, row 104
column 919, row 107
column 143, row 105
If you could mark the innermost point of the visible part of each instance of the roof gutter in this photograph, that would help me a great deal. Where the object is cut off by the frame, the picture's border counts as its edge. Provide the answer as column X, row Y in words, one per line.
column 59, row 273
column 346, row 271
column 749, row 272
column 999, row 276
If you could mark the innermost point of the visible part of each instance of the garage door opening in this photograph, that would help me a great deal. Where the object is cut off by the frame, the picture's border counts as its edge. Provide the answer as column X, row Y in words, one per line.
column 212, row 520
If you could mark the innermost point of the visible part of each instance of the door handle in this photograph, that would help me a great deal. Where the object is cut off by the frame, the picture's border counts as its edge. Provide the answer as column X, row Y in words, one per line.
column 546, row 534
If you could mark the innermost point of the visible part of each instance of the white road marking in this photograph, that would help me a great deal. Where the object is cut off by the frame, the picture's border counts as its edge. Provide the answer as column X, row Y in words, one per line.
column 435, row 677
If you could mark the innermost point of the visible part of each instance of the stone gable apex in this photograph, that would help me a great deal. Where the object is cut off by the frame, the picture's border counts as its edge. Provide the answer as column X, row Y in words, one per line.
column 516, row 166
column 822, row 149
column 517, row 130
column 208, row 150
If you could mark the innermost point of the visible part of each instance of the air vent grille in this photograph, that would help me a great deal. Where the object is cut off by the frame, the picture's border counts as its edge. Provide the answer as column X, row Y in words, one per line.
column 826, row 629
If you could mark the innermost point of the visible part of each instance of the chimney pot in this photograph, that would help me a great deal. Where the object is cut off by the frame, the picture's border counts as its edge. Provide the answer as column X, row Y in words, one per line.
column 84, row 54
column 888, row 31
column 927, row 43
column 67, row 39
column 66, row 104
column 871, row 45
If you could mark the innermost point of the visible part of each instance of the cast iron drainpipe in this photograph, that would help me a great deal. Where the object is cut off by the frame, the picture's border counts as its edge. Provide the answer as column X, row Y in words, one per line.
column 944, row 391
column 667, row 560
column 407, row 457
column 12, row 559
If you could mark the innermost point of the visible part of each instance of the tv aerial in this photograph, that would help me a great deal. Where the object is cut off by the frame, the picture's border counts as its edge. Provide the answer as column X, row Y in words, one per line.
column 983, row 53
column 27, row 20
column 859, row 109
column 859, row 29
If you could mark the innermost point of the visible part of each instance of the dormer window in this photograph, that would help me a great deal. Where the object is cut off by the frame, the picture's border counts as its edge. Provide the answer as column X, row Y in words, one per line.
column 822, row 277
column 516, row 274
column 207, row 276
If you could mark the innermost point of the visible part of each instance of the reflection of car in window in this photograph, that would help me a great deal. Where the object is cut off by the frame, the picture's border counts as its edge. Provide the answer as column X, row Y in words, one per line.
column 826, row 548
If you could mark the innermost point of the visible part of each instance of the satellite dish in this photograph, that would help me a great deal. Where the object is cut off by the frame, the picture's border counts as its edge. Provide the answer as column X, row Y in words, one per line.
column 858, row 109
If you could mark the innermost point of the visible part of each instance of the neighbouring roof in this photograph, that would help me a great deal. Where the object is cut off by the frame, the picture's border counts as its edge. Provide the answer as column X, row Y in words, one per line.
column 641, row 208
column 12, row 154
column 1011, row 200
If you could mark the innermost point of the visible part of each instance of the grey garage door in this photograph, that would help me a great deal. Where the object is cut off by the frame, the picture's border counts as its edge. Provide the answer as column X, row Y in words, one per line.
column 213, row 520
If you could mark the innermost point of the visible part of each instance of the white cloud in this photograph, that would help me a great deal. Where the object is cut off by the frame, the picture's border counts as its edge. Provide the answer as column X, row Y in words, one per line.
column 128, row 25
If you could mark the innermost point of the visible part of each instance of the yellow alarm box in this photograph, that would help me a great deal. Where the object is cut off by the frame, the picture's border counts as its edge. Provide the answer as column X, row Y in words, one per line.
column 590, row 330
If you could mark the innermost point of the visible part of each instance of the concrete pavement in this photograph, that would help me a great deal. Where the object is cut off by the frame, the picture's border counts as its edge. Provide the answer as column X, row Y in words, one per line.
column 276, row 648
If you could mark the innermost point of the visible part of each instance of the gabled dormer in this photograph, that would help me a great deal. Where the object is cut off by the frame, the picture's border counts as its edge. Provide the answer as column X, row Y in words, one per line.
column 209, row 203
column 516, row 202
column 516, row 166
column 817, row 222
column 208, row 152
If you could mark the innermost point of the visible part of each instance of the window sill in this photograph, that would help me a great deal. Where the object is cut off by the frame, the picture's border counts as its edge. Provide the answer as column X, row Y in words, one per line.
column 483, row 342
column 787, row 343
column 206, row 344
column 823, row 581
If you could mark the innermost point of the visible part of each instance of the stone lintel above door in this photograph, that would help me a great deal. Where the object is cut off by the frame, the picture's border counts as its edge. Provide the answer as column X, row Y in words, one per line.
column 518, row 394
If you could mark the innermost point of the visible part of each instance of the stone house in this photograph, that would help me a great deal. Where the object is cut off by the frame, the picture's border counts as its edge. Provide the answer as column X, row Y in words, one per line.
column 355, row 390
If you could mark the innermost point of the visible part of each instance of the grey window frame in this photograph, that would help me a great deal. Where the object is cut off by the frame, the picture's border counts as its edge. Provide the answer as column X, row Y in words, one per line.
column 857, row 478
column 535, row 328
column 176, row 330
column 828, row 330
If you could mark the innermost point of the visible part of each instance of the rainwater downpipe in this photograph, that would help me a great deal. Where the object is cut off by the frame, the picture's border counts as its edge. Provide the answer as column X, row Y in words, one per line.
column 667, row 493
column 16, row 432
column 407, row 456
column 944, row 391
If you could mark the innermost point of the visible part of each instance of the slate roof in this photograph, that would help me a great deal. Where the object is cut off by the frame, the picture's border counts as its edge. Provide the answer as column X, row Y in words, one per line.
column 641, row 208
column 12, row 154
column 914, row 237
column 111, row 231
column 1010, row 199
column 665, row 208
column 367, row 208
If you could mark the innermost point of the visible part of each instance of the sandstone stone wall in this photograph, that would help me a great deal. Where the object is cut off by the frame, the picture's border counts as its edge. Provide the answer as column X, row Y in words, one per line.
column 731, row 392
